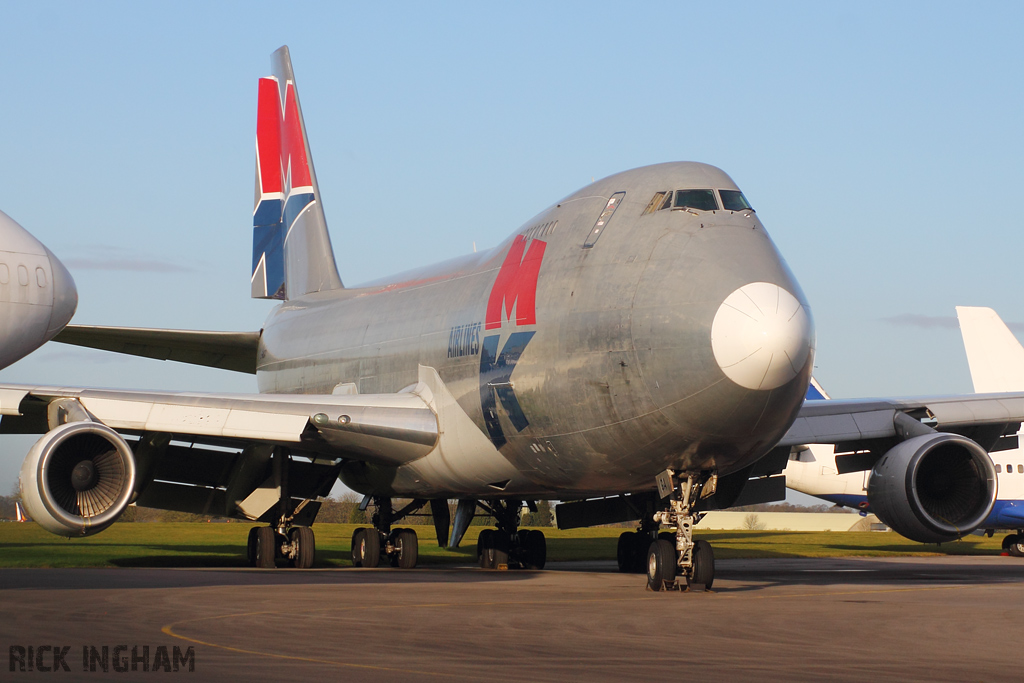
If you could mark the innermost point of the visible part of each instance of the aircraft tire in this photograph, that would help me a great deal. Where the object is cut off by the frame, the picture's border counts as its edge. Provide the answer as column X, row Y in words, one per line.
column 369, row 549
column 499, row 550
column 641, row 544
column 250, row 547
column 535, row 549
column 266, row 542
column 703, row 564
column 484, row 546
column 626, row 553
column 1016, row 547
column 303, row 536
column 408, row 549
column 661, row 565
column 357, row 542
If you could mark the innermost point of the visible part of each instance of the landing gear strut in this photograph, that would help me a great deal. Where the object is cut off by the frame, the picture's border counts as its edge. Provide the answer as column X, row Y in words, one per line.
column 400, row 547
column 669, row 559
column 508, row 547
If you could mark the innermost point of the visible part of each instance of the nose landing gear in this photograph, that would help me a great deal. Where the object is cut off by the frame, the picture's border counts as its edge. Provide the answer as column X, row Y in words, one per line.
column 683, row 563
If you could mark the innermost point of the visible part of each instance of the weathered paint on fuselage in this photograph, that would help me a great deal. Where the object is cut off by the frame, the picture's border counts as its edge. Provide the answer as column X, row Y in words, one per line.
column 619, row 380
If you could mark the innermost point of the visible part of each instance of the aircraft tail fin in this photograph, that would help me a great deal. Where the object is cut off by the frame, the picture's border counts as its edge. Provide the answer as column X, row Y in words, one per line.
column 995, row 356
column 19, row 512
column 815, row 392
column 291, row 249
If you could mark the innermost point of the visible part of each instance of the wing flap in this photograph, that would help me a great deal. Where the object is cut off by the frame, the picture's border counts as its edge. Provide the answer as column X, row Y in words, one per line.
column 226, row 350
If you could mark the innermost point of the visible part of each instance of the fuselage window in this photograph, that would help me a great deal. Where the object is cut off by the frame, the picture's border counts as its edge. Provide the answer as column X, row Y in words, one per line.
column 23, row 276
column 40, row 277
column 5, row 274
column 999, row 469
column 733, row 200
column 1020, row 469
column 602, row 220
column 1009, row 469
column 656, row 203
column 701, row 200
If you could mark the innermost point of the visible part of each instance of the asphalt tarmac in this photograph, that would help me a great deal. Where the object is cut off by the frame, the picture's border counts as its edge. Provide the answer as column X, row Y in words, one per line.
column 934, row 619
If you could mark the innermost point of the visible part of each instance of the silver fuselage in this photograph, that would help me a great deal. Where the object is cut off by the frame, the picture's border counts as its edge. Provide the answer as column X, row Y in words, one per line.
column 618, row 381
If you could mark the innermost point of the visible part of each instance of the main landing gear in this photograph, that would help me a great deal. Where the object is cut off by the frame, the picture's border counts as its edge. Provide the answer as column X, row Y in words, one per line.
column 268, row 544
column 399, row 547
column 289, row 537
column 509, row 547
column 1014, row 544
column 672, row 561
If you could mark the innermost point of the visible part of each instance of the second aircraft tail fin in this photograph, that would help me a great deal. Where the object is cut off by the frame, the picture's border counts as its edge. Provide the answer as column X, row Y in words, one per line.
column 995, row 356
column 291, row 249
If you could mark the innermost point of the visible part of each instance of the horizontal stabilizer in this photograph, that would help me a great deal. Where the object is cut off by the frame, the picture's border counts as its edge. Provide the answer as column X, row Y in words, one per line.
column 226, row 350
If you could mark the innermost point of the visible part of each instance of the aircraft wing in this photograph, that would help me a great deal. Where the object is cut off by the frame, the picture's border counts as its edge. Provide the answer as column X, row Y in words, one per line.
column 383, row 428
column 864, row 429
column 215, row 454
column 227, row 350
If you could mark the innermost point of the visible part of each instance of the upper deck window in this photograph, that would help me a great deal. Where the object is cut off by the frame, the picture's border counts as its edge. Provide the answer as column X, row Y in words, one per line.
column 701, row 200
column 733, row 200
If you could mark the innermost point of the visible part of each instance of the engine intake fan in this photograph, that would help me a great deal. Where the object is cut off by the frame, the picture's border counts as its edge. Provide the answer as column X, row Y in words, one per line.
column 78, row 478
column 934, row 487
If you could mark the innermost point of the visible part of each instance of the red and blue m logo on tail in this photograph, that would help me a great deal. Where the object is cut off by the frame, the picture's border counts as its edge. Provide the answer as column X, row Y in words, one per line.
column 284, row 185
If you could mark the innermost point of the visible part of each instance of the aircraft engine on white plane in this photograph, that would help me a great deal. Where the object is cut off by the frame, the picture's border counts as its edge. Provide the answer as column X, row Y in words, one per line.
column 78, row 479
column 934, row 487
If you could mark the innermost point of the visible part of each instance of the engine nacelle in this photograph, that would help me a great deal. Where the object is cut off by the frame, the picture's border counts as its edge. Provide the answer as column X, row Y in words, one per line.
column 934, row 487
column 78, row 479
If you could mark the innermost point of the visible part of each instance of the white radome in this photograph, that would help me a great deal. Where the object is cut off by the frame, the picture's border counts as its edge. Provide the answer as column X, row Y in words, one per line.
column 761, row 336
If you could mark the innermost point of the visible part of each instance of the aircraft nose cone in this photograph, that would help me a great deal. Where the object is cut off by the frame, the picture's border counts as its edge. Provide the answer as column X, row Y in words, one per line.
column 761, row 336
column 65, row 297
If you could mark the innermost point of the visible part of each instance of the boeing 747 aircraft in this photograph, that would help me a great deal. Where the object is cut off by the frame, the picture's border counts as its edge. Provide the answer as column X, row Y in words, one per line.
column 639, row 349
column 37, row 294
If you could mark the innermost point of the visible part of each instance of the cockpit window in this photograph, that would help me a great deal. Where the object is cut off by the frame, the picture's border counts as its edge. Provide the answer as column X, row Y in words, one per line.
column 733, row 200
column 656, row 202
column 701, row 200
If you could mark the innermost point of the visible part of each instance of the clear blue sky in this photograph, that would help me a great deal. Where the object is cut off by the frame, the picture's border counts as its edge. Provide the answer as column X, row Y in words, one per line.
column 879, row 142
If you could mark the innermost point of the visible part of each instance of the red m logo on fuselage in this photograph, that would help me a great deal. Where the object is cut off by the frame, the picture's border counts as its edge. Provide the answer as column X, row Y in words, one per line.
column 279, row 139
column 516, row 285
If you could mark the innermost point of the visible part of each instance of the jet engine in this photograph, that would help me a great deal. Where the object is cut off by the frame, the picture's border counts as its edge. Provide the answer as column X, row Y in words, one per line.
column 933, row 487
column 78, row 478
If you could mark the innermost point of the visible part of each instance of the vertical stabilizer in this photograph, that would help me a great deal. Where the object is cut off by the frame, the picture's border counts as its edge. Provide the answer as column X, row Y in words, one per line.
column 19, row 512
column 994, row 354
column 291, row 250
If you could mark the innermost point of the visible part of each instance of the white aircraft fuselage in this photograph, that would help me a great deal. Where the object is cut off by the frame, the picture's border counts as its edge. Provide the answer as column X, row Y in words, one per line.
column 37, row 294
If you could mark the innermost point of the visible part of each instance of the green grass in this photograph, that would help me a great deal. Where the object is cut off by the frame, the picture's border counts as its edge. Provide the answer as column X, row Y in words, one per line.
column 223, row 545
